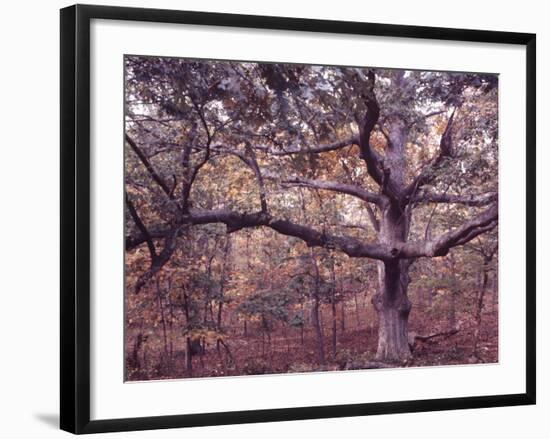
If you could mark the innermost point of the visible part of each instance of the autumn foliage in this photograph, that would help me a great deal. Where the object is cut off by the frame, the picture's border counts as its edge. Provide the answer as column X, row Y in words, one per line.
column 288, row 218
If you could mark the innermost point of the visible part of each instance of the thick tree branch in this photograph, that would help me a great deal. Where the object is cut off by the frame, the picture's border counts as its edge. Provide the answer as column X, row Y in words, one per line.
column 370, row 157
column 313, row 238
column 131, row 242
column 468, row 200
column 296, row 149
column 159, row 261
column 156, row 177
column 250, row 160
column 193, row 172
column 236, row 221
column 428, row 172
column 474, row 233
column 142, row 228
column 440, row 246
column 353, row 247
column 335, row 186
column 446, row 142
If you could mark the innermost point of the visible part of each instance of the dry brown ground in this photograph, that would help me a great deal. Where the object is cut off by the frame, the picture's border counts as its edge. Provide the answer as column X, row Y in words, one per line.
column 285, row 353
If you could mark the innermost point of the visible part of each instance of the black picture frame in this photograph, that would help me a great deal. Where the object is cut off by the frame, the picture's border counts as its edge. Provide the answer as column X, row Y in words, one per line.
column 75, row 217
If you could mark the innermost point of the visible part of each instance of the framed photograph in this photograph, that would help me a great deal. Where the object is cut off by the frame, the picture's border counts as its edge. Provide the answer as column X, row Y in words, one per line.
column 268, row 218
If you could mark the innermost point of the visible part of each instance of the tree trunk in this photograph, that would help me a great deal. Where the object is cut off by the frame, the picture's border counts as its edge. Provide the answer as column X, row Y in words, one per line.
column 315, row 318
column 333, row 306
column 479, row 306
column 495, row 290
column 189, row 356
column 222, row 285
column 162, row 318
column 343, row 316
column 334, row 330
column 393, row 308
column 303, row 319
column 391, row 302
column 356, row 309
column 454, row 291
column 317, row 327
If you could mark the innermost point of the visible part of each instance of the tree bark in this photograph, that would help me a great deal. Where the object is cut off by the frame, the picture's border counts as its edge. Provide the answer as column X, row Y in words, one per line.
column 318, row 331
column 333, row 306
column 315, row 313
column 334, row 330
column 356, row 308
column 454, row 291
column 162, row 318
column 342, row 316
column 223, row 276
column 393, row 308
column 391, row 302
column 487, row 258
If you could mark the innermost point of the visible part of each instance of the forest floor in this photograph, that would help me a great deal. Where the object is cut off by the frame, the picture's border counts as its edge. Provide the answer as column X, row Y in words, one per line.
column 286, row 352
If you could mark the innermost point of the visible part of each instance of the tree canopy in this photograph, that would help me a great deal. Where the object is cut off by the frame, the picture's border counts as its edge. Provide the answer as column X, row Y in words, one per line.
column 384, row 164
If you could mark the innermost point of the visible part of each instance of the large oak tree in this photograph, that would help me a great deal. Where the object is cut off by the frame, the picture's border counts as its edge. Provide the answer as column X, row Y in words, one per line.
column 396, row 144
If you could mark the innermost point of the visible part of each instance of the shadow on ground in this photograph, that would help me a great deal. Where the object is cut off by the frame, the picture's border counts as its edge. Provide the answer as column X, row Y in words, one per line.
column 50, row 419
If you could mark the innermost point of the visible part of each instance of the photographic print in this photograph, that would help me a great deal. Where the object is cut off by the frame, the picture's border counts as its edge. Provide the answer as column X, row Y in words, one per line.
column 284, row 218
